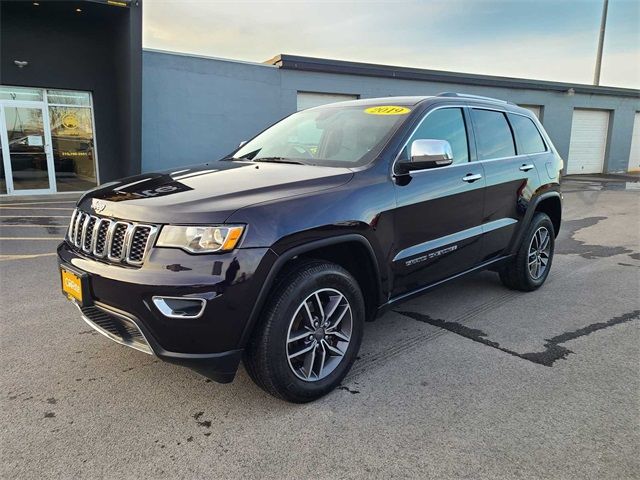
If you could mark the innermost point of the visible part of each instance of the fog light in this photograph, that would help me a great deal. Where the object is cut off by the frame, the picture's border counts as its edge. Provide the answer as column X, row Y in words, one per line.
column 180, row 307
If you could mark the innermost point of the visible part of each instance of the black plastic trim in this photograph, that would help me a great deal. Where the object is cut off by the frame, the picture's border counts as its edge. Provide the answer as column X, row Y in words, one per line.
column 278, row 265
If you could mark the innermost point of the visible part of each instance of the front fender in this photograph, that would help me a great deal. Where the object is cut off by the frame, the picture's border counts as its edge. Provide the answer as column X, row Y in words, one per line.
column 287, row 254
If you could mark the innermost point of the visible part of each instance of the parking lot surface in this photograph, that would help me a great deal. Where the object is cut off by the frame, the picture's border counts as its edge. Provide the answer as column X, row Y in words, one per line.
column 470, row 380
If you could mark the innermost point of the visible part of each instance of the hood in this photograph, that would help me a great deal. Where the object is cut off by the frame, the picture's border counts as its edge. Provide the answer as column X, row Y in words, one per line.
column 208, row 193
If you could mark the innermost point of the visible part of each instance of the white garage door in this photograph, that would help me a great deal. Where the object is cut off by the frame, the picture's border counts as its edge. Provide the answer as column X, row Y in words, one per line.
column 315, row 99
column 634, row 158
column 588, row 141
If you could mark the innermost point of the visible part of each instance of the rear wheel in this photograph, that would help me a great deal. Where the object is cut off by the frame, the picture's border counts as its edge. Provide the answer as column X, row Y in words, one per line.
column 530, row 267
column 310, row 333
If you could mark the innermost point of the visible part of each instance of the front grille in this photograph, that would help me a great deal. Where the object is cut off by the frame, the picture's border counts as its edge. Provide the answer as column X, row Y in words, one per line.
column 88, row 234
column 117, row 240
column 113, row 240
column 116, row 327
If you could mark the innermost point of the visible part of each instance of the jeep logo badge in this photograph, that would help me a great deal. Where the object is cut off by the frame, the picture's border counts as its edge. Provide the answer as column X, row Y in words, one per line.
column 99, row 206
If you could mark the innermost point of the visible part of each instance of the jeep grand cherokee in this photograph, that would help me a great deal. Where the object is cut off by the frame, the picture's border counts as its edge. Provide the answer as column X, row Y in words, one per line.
column 278, row 254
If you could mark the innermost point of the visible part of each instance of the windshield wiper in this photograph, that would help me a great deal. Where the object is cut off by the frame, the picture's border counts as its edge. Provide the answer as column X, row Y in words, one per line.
column 278, row 160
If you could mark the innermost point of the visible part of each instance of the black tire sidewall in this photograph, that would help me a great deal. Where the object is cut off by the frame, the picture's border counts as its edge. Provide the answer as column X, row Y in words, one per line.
column 305, row 281
column 539, row 220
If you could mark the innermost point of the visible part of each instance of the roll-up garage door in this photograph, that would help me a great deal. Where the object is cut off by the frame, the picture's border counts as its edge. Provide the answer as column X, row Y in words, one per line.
column 634, row 158
column 588, row 141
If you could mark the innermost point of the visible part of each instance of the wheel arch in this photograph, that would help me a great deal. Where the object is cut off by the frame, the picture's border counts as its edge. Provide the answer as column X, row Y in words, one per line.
column 332, row 249
column 547, row 202
column 552, row 206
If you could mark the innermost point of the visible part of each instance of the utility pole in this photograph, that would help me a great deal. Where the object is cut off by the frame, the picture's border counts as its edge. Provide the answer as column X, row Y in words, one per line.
column 603, row 24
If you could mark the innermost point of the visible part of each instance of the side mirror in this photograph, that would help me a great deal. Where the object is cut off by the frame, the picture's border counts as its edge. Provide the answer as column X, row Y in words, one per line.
column 428, row 154
column 242, row 143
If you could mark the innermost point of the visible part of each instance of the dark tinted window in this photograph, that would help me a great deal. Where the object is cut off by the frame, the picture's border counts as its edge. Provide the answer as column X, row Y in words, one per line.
column 527, row 135
column 444, row 124
column 493, row 135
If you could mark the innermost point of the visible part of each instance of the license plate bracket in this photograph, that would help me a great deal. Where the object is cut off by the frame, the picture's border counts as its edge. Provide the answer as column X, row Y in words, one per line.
column 75, row 285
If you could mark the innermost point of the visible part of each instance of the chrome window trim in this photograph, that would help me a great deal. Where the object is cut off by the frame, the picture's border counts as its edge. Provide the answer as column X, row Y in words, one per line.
column 481, row 107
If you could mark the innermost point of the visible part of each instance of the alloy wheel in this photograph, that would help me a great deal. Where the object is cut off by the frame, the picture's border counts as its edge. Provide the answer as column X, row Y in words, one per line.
column 319, row 334
column 539, row 253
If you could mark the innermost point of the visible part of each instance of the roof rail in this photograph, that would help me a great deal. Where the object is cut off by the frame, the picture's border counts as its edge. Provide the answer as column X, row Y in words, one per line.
column 467, row 95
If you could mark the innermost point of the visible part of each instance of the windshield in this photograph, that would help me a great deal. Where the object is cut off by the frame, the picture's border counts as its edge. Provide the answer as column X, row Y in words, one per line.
column 329, row 136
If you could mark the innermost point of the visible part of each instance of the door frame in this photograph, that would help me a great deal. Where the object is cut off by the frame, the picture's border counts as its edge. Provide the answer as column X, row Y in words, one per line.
column 48, row 149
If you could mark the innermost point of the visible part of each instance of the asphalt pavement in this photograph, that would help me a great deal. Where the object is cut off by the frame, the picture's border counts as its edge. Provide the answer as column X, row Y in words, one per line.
column 468, row 381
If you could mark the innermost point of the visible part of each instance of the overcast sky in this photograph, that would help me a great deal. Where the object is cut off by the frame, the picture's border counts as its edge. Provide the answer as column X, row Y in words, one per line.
column 542, row 39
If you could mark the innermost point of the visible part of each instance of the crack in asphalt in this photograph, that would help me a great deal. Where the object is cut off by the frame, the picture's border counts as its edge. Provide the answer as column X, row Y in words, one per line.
column 553, row 351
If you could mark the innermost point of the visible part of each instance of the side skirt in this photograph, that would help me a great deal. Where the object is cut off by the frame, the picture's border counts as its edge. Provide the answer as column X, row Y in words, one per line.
column 490, row 264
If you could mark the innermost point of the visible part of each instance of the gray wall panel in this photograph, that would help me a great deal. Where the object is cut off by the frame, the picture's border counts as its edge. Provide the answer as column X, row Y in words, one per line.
column 198, row 109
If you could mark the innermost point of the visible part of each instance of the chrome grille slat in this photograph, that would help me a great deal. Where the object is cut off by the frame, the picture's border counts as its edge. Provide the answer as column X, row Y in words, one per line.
column 117, row 241
column 100, row 247
column 87, row 233
column 79, row 224
column 72, row 224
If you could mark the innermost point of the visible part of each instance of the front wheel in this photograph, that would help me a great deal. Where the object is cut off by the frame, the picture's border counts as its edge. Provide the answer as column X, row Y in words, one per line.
column 530, row 267
column 310, row 332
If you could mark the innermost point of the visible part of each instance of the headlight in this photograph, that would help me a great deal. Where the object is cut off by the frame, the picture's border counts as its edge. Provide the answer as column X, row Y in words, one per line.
column 200, row 239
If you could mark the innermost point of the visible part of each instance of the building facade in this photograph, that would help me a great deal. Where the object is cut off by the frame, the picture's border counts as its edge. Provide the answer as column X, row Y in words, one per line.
column 197, row 109
column 70, row 101
column 82, row 104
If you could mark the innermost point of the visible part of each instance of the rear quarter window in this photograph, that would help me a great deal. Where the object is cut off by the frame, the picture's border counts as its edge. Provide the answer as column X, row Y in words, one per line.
column 528, row 137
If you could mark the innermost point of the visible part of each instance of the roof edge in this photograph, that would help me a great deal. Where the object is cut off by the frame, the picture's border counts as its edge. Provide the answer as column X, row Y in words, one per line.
column 313, row 64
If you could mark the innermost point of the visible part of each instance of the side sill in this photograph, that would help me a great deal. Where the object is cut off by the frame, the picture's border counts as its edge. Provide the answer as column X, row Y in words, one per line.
column 414, row 293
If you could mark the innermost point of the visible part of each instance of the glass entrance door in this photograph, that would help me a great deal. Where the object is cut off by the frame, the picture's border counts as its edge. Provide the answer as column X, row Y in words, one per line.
column 26, row 149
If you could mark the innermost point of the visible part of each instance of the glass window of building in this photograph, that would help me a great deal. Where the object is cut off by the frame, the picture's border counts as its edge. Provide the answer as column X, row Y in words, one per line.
column 20, row 93
column 73, row 148
column 47, row 141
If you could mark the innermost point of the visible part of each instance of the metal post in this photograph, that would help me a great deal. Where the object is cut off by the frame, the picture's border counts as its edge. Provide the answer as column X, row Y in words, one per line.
column 603, row 24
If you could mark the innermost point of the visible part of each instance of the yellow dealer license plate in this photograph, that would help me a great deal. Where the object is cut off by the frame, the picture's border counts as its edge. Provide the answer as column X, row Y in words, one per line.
column 71, row 284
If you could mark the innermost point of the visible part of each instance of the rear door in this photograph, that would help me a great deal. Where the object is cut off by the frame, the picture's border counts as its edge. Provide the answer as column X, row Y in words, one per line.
column 511, row 179
column 439, row 210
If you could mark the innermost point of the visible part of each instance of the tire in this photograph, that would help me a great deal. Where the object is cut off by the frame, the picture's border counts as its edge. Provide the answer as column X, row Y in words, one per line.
column 272, row 356
column 516, row 274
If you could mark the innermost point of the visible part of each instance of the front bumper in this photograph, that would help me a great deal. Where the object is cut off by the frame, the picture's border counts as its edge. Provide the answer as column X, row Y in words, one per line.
column 121, row 306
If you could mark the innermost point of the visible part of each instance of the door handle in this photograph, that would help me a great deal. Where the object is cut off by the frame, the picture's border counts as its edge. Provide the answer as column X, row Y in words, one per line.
column 526, row 167
column 471, row 177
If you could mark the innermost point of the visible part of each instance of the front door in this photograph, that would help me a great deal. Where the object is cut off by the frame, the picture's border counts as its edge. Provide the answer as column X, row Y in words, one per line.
column 439, row 211
column 26, row 149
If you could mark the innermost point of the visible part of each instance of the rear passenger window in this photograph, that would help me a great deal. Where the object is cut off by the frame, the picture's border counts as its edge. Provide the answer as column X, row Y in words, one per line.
column 444, row 124
column 527, row 135
column 493, row 135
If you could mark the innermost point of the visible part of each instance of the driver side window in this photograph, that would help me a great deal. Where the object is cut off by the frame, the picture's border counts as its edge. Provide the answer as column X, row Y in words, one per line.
column 444, row 124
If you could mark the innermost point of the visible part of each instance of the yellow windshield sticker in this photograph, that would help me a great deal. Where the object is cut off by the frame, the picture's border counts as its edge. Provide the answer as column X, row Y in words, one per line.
column 387, row 110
